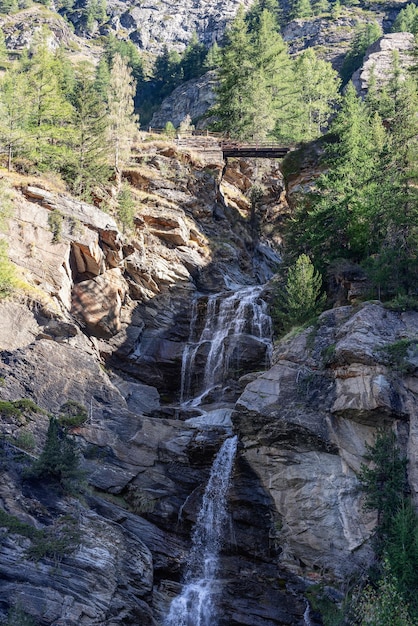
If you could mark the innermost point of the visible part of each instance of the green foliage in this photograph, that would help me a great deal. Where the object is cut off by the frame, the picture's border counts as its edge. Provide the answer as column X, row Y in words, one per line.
column 8, row 409
column 364, row 36
column 397, row 352
column 384, row 482
column 8, row 6
column 391, row 599
column 331, row 614
column 301, row 9
column 59, row 459
column 170, row 130
column 318, row 87
column 72, row 414
column 255, row 96
column 385, row 604
column 55, row 223
column 122, row 120
column 126, row 207
column 25, row 440
column 26, row 404
column 402, row 303
column 302, row 298
column 407, row 20
column 7, row 272
column 88, row 169
column 57, row 541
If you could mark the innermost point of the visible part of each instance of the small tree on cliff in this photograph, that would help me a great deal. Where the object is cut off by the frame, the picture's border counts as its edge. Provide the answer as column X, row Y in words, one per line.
column 302, row 297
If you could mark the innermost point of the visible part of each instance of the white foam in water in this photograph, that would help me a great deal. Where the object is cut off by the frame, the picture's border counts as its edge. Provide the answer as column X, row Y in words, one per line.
column 196, row 605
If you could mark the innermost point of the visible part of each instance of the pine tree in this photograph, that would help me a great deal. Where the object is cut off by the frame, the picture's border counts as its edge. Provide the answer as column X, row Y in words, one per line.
column 302, row 297
column 338, row 219
column 318, row 90
column 193, row 59
column 407, row 20
column 256, row 96
column 233, row 108
column 396, row 263
column 364, row 36
column 102, row 78
column 50, row 111
column 59, row 458
column 123, row 123
column 89, row 168
column 302, row 9
column 14, row 113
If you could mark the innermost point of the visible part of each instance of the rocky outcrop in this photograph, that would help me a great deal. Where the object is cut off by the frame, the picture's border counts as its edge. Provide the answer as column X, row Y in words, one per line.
column 379, row 59
column 305, row 422
column 154, row 25
column 22, row 29
column 193, row 98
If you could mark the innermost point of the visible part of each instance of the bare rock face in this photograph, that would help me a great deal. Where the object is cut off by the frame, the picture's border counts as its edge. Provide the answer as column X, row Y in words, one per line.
column 21, row 28
column 304, row 425
column 332, row 38
column 152, row 25
column 104, row 575
column 378, row 60
column 193, row 98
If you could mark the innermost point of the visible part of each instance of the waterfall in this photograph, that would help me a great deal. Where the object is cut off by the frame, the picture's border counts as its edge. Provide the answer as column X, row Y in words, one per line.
column 196, row 605
column 307, row 615
column 229, row 316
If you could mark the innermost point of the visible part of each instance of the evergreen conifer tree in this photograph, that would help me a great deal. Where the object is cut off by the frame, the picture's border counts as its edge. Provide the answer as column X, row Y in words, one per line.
column 122, row 120
column 318, row 90
column 302, row 9
column 50, row 112
column 14, row 113
column 90, row 148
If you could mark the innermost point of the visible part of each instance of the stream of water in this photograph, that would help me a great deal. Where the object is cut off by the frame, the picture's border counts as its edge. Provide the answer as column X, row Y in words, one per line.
column 196, row 605
column 229, row 317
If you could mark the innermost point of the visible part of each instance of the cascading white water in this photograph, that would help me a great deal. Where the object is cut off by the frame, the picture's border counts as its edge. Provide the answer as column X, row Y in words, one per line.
column 228, row 317
column 307, row 615
column 196, row 605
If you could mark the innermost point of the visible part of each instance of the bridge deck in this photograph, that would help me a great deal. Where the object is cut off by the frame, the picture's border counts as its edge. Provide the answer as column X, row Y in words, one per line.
column 204, row 140
column 261, row 152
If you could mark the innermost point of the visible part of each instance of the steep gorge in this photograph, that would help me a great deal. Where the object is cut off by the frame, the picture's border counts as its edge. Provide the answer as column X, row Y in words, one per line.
column 105, row 323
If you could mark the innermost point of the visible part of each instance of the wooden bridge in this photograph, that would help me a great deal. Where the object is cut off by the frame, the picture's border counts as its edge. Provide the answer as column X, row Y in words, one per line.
column 203, row 141
column 253, row 150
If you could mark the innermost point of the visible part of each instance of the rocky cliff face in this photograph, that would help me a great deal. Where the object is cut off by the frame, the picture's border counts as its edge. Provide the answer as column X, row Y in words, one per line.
column 152, row 25
column 378, row 61
column 95, row 297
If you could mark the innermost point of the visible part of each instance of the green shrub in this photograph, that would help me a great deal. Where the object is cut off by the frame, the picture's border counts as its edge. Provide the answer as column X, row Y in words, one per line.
column 53, row 542
column 7, row 272
column 72, row 414
column 396, row 353
column 18, row 617
column 126, row 207
column 9, row 409
column 402, row 303
column 25, row 440
column 26, row 404
column 55, row 221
